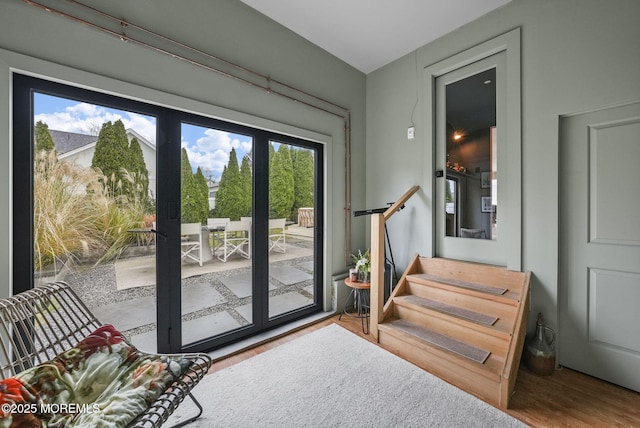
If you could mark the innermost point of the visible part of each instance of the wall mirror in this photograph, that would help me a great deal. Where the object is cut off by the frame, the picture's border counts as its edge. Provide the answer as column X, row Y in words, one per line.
column 471, row 175
column 475, row 174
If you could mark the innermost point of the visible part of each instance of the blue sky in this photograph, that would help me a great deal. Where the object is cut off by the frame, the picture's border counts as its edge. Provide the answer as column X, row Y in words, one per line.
column 207, row 148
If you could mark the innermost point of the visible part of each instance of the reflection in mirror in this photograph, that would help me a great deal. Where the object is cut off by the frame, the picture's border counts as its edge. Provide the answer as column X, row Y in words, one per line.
column 471, row 173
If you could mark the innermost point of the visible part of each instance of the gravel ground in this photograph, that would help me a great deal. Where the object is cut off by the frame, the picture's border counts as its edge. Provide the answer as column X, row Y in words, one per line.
column 96, row 286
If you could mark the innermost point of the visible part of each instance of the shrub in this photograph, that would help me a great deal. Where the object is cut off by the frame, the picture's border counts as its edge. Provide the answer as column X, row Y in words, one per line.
column 76, row 216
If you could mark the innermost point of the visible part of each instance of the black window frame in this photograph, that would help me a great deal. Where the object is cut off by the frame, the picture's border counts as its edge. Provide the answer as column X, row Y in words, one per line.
column 168, row 137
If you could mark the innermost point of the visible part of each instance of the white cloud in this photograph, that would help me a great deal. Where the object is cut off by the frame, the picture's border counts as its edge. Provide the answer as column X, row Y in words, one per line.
column 211, row 152
column 83, row 118
column 207, row 148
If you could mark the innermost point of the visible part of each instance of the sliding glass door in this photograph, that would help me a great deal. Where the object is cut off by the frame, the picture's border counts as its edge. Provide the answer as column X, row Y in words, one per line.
column 183, row 231
column 291, row 227
column 261, row 261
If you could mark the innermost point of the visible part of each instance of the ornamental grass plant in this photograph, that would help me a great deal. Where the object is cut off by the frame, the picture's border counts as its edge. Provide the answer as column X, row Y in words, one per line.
column 76, row 216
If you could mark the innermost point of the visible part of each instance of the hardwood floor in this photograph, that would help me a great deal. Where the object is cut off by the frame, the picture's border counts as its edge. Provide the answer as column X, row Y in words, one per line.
column 565, row 399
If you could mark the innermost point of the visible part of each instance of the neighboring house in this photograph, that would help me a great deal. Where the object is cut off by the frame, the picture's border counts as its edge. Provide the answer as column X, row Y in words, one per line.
column 213, row 189
column 79, row 148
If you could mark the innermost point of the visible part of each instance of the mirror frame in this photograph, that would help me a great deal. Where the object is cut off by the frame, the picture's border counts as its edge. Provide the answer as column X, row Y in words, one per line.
column 510, row 44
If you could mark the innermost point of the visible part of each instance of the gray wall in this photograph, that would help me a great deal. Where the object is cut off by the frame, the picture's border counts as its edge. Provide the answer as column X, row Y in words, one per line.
column 48, row 45
column 577, row 55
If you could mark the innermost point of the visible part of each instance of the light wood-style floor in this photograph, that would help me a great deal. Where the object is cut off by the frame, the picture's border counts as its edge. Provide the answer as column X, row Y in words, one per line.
column 565, row 399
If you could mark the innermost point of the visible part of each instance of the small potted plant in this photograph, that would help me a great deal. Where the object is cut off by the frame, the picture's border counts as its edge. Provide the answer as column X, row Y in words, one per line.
column 363, row 265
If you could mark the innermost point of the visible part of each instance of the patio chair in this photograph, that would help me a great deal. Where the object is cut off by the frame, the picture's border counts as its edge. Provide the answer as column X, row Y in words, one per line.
column 191, row 241
column 236, row 239
column 39, row 325
column 277, row 240
column 216, row 227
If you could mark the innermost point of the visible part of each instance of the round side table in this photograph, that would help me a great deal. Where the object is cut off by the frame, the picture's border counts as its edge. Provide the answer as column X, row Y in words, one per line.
column 360, row 292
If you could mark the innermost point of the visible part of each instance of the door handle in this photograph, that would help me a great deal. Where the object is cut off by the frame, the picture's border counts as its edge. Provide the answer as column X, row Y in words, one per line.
column 439, row 173
column 161, row 234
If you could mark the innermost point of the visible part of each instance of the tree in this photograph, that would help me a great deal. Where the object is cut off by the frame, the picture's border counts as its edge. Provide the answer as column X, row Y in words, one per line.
column 447, row 191
column 281, row 184
column 111, row 155
column 229, row 196
column 202, row 196
column 189, row 211
column 138, row 170
column 43, row 140
column 303, row 176
column 246, row 182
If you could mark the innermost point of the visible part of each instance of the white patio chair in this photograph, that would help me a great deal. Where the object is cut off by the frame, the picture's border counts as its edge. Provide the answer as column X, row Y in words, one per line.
column 277, row 240
column 236, row 239
column 249, row 219
column 216, row 226
column 191, row 241
column 213, row 223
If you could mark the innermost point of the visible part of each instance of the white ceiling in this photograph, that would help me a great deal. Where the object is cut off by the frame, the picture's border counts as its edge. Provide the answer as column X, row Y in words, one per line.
column 368, row 34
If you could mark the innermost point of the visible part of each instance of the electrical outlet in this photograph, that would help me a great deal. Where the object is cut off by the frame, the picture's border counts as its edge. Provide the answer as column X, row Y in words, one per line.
column 411, row 132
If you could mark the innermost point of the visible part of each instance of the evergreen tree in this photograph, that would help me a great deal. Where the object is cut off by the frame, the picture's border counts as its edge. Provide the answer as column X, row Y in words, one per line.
column 247, row 187
column 138, row 170
column 272, row 151
column 229, row 196
column 447, row 192
column 281, row 184
column 189, row 212
column 43, row 140
column 303, row 176
column 202, row 196
column 110, row 156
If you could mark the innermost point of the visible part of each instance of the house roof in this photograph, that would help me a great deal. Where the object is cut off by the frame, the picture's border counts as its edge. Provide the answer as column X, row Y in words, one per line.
column 69, row 141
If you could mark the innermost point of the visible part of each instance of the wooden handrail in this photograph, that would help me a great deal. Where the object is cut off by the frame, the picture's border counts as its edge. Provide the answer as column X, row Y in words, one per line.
column 377, row 260
column 397, row 205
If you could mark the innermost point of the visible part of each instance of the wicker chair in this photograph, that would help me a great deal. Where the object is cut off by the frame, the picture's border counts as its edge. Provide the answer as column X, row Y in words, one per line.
column 38, row 324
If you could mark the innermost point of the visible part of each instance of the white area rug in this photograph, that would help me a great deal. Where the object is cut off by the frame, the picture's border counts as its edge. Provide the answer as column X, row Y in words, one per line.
column 331, row 378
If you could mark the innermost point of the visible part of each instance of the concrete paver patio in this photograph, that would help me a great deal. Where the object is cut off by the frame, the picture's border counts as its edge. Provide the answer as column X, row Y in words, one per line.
column 216, row 297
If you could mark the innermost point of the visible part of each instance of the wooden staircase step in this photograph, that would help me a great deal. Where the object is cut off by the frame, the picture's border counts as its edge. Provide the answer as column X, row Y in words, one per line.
column 456, row 311
column 491, row 338
column 465, row 322
column 450, row 344
column 503, row 311
column 465, row 287
column 465, row 284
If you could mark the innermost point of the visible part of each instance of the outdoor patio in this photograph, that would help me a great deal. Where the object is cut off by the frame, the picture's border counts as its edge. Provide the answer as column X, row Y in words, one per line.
column 216, row 297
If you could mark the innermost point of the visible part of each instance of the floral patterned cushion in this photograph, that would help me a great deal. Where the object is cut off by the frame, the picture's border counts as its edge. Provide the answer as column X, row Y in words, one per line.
column 102, row 382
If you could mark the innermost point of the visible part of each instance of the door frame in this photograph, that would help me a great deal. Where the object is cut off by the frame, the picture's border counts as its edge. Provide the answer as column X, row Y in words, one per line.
column 168, row 217
column 511, row 182
column 479, row 250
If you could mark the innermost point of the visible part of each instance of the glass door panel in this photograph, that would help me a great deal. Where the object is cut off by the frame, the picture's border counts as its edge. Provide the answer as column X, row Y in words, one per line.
column 216, row 232
column 94, row 187
column 291, row 228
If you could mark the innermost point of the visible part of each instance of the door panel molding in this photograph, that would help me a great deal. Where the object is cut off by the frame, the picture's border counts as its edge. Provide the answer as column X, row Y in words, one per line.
column 613, row 167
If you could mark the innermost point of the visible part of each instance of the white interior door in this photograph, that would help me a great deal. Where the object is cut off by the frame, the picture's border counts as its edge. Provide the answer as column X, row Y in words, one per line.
column 600, row 244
